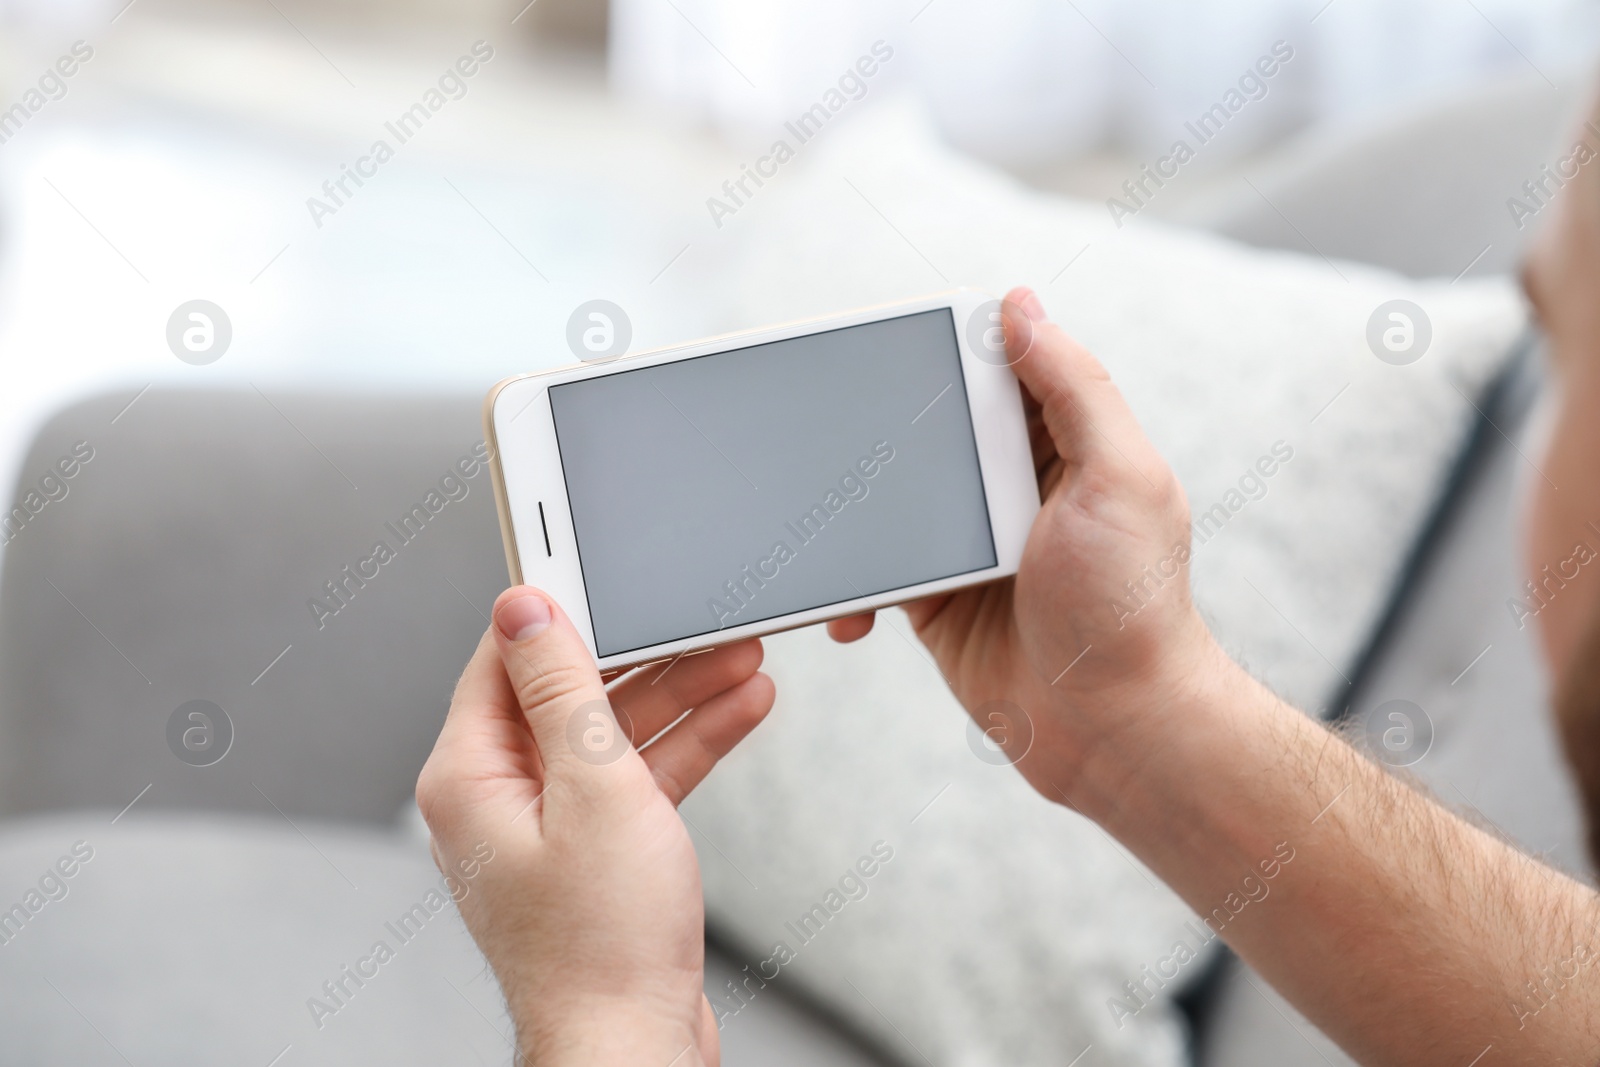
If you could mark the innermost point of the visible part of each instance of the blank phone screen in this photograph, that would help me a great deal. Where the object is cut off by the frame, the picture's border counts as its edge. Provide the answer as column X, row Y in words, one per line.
column 749, row 484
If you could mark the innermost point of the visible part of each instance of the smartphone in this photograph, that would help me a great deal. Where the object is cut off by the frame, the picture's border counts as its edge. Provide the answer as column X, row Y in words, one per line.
column 684, row 498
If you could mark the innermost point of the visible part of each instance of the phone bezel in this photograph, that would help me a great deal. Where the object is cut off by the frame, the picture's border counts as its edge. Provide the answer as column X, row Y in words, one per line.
column 531, row 494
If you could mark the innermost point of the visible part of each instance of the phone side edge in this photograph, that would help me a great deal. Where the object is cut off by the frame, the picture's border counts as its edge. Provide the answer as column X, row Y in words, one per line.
column 502, row 502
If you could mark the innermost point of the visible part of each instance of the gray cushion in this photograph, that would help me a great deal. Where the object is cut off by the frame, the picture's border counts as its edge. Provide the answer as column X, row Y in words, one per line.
column 1423, row 191
column 194, row 940
column 180, row 565
column 187, row 941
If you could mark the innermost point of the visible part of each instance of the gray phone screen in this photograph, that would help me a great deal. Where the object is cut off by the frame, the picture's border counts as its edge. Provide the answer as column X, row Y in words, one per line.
column 745, row 485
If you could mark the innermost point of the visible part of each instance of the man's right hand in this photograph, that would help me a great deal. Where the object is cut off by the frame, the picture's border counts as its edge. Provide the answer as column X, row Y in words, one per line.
column 1097, row 631
column 1142, row 723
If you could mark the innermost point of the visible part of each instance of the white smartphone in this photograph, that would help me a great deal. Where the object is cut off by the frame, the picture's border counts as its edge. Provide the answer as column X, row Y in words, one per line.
column 679, row 499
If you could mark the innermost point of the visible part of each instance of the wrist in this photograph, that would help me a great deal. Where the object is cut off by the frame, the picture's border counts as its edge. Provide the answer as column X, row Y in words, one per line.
column 1174, row 728
column 618, row 1032
column 605, row 1049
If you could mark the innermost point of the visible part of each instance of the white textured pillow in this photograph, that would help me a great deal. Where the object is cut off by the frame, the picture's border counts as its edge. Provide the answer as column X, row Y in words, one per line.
column 1003, row 925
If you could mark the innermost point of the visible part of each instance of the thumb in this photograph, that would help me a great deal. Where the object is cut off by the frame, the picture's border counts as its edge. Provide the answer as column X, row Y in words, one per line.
column 556, row 682
column 1089, row 421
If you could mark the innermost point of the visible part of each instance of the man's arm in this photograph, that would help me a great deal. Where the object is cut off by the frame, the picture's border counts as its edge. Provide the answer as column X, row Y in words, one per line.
column 1405, row 934
column 1408, row 935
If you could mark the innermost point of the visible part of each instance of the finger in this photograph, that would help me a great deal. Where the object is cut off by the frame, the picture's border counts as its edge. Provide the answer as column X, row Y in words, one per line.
column 483, row 718
column 1084, row 411
column 851, row 627
column 706, row 1035
column 653, row 699
column 682, row 757
column 1042, row 446
column 551, row 672
column 921, row 612
column 483, row 736
column 482, row 690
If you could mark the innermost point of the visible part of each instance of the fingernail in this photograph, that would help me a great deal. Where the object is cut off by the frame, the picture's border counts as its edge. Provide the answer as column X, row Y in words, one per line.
column 523, row 617
column 1032, row 308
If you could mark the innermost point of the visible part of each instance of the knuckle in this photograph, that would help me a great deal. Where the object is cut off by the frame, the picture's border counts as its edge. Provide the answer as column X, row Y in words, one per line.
column 1080, row 361
column 1090, row 368
column 764, row 695
column 674, row 788
column 746, row 710
column 725, row 668
column 751, row 715
column 1169, row 494
column 433, row 787
column 539, row 686
column 1177, row 501
column 747, row 657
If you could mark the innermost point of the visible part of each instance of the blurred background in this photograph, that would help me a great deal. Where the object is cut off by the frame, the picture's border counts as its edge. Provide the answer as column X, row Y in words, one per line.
column 384, row 206
column 179, row 161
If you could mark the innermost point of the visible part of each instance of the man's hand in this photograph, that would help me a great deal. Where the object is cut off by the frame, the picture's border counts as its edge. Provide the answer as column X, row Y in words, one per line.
column 1097, row 632
column 588, row 906
column 1405, row 934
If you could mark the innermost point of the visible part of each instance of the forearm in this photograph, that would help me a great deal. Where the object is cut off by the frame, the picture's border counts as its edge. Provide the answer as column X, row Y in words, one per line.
column 1406, row 934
